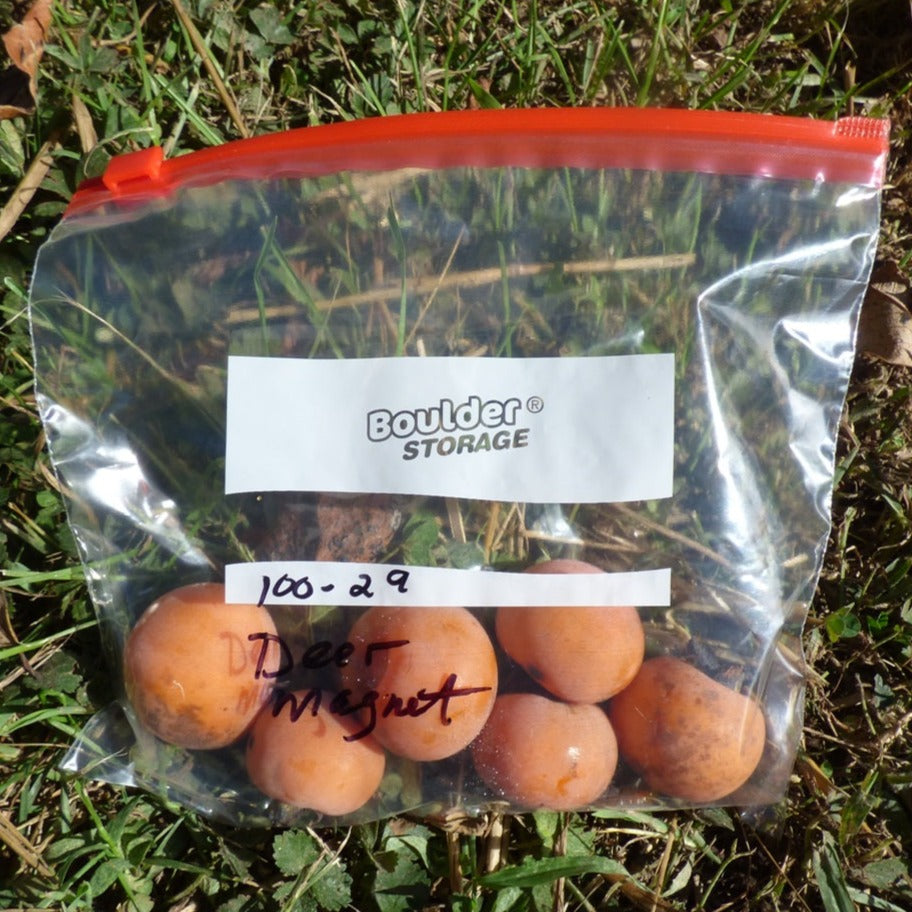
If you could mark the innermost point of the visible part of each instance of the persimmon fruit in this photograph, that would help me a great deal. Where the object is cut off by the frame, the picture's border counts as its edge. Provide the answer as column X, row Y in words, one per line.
column 686, row 734
column 190, row 669
column 539, row 752
column 580, row 654
column 432, row 676
column 297, row 753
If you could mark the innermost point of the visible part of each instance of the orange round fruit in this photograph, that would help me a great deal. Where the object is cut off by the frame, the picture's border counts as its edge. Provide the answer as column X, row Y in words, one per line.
column 190, row 669
column 298, row 753
column 427, row 678
column 687, row 735
column 541, row 753
column 580, row 654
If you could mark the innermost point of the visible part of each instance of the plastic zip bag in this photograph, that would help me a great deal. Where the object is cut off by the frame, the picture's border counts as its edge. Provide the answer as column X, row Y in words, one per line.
column 457, row 461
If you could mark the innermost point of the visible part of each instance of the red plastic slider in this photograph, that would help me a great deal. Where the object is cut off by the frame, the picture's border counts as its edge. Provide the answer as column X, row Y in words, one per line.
column 142, row 165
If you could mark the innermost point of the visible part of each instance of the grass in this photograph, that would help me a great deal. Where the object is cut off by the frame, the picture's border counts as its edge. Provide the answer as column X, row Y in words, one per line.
column 841, row 839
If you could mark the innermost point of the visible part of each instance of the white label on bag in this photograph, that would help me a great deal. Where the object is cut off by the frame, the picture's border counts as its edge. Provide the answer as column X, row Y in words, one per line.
column 535, row 430
column 338, row 583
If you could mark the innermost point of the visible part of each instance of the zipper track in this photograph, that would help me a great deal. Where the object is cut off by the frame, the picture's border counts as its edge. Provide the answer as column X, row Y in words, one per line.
column 852, row 150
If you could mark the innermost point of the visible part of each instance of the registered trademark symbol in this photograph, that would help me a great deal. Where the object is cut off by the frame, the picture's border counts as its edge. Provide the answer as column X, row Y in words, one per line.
column 535, row 403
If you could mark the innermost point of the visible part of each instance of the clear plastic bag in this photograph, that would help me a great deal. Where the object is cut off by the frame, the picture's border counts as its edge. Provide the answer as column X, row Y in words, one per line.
column 360, row 379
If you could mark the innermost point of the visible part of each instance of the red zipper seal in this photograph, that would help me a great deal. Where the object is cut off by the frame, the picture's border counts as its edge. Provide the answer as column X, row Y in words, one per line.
column 852, row 150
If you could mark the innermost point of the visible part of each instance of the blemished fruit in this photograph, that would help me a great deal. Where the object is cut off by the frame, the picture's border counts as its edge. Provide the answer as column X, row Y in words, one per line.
column 541, row 753
column 302, row 758
column 433, row 676
column 584, row 655
column 190, row 669
column 687, row 735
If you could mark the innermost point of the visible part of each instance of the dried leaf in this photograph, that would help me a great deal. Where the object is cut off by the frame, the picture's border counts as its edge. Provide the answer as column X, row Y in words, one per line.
column 24, row 45
column 29, row 184
column 88, row 138
column 24, row 42
column 885, row 328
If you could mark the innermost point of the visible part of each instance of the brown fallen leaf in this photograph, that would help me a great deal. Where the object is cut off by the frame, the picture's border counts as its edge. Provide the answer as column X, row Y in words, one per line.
column 88, row 138
column 31, row 181
column 885, row 327
column 24, row 45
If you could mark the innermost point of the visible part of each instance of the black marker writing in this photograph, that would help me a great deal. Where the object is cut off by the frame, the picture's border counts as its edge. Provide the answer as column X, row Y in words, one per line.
column 318, row 655
column 302, row 588
column 411, row 706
